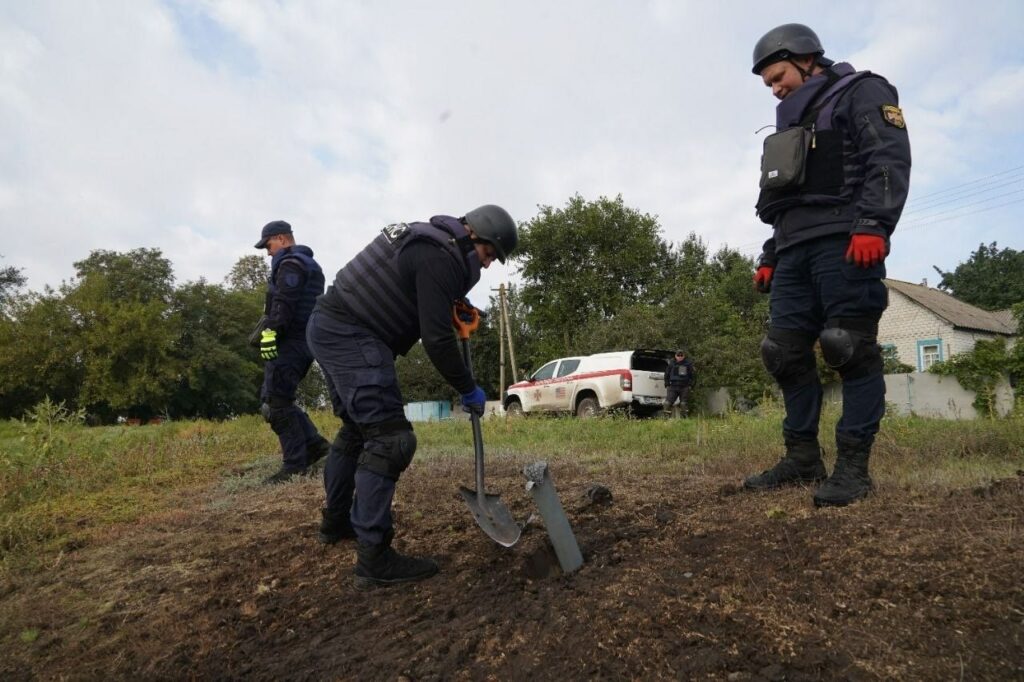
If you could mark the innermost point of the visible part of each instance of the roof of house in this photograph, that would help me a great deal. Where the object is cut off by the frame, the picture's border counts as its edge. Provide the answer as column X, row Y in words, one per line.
column 954, row 311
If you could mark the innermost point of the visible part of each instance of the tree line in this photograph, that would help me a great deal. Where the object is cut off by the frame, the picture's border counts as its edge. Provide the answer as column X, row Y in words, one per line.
column 122, row 339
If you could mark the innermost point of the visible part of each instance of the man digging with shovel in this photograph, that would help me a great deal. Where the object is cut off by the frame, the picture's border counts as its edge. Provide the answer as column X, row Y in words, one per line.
column 400, row 288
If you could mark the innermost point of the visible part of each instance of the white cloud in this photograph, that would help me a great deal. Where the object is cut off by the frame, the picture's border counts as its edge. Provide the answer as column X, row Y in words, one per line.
column 186, row 126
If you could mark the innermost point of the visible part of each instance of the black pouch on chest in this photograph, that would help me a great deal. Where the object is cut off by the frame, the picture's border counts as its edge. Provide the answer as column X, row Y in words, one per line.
column 784, row 160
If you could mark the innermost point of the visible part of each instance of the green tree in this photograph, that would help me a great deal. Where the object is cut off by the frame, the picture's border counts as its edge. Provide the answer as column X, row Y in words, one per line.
column 220, row 373
column 712, row 312
column 585, row 262
column 891, row 363
column 40, row 353
column 121, row 305
column 419, row 379
column 11, row 280
column 992, row 278
column 981, row 368
column 249, row 273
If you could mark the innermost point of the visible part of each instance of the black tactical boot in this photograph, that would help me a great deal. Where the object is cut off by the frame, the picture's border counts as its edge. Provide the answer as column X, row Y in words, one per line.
column 381, row 566
column 849, row 481
column 334, row 528
column 317, row 450
column 801, row 464
column 283, row 476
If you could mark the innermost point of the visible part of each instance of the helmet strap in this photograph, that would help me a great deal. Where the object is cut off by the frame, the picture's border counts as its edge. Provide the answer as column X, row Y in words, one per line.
column 804, row 73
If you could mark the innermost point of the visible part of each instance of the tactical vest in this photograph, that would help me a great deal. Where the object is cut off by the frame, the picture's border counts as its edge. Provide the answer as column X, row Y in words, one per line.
column 314, row 287
column 830, row 169
column 679, row 373
column 370, row 288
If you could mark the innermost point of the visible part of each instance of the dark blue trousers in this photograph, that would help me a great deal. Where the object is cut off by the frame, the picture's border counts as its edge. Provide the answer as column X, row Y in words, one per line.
column 360, row 373
column 812, row 284
column 281, row 377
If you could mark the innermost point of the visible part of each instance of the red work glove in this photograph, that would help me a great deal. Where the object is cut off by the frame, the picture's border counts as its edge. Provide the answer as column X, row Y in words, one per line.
column 866, row 250
column 763, row 278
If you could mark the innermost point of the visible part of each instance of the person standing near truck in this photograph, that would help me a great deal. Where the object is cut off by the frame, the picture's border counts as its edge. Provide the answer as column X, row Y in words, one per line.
column 834, row 179
column 679, row 379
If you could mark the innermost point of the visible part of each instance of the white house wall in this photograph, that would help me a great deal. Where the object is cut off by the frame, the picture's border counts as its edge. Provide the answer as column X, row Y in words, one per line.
column 904, row 323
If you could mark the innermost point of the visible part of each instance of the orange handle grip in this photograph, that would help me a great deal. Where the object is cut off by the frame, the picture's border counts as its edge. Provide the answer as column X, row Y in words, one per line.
column 462, row 327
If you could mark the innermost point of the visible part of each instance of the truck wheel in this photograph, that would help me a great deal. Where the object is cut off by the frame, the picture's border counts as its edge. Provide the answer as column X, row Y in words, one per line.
column 514, row 409
column 588, row 407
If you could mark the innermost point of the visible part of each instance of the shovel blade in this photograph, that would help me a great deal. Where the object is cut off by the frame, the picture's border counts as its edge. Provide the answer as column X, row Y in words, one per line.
column 492, row 516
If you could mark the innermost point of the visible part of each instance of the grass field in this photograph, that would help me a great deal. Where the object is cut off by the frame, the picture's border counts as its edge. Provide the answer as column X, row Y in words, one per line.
column 60, row 481
column 155, row 552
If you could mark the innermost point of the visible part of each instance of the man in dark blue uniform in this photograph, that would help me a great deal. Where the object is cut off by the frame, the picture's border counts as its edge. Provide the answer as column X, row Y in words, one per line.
column 679, row 378
column 834, row 179
column 295, row 282
column 397, row 290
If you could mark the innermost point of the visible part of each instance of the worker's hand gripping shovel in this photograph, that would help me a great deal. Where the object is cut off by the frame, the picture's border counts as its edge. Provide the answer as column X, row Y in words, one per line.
column 489, row 511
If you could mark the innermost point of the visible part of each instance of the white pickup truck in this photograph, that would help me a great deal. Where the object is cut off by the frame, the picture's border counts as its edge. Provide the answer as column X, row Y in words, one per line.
column 587, row 385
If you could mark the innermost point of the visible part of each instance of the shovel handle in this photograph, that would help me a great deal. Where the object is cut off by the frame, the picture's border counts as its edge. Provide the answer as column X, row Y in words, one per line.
column 478, row 436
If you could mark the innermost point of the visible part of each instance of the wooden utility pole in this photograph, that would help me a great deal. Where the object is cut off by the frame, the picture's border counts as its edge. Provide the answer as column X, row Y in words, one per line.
column 501, row 349
column 508, row 331
column 505, row 336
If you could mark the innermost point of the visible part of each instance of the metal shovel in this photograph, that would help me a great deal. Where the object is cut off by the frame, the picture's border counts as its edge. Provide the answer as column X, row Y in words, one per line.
column 490, row 512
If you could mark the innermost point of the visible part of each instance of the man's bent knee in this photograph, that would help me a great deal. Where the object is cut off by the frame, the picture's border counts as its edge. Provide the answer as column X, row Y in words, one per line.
column 349, row 441
column 388, row 449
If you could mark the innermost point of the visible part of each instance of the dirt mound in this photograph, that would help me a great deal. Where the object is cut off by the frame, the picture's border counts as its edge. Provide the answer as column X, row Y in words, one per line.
column 684, row 578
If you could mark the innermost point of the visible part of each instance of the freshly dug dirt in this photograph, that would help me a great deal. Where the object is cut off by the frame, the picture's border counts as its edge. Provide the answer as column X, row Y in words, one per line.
column 685, row 578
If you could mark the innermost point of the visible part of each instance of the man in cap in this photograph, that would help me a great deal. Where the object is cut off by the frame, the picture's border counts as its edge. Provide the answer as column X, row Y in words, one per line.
column 834, row 179
column 679, row 378
column 397, row 290
column 295, row 282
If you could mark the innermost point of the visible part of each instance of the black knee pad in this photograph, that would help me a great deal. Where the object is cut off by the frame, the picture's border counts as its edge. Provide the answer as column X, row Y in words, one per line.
column 388, row 449
column 850, row 346
column 279, row 413
column 349, row 441
column 788, row 355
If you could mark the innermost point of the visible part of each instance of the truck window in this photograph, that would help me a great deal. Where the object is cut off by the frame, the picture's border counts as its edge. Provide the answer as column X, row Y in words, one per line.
column 545, row 372
column 567, row 367
column 650, row 363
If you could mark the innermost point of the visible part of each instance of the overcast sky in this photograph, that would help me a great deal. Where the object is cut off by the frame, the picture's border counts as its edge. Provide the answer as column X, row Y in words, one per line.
column 186, row 126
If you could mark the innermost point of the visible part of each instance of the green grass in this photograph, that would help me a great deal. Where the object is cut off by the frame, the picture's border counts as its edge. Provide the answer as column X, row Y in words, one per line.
column 59, row 482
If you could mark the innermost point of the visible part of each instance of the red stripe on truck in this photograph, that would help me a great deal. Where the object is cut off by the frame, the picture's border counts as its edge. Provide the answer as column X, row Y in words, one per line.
column 574, row 377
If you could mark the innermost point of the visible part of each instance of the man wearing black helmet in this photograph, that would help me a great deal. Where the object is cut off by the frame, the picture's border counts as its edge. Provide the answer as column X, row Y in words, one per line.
column 834, row 179
column 397, row 290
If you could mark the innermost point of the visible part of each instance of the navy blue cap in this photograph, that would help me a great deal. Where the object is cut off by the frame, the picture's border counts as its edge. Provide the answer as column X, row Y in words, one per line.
column 272, row 229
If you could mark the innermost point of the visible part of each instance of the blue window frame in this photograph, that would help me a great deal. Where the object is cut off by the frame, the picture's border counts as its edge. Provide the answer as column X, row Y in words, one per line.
column 929, row 351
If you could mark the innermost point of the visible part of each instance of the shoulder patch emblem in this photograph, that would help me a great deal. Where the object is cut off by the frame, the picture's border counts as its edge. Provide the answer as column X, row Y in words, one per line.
column 893, row 115
column 394, row 232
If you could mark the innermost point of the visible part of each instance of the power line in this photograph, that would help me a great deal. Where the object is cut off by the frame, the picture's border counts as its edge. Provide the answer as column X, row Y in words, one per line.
column 926, row 219
column 972, row 182
column 976, row 187
column 963, row 194
column 914, row 226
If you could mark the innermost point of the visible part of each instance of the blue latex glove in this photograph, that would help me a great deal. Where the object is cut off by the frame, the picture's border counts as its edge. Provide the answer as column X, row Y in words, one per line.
column 464, row 309
column 474, row 401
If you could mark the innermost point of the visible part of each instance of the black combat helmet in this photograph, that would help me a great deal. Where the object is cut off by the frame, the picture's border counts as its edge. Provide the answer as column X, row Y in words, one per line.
column 783, row 42
column 495, row 226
